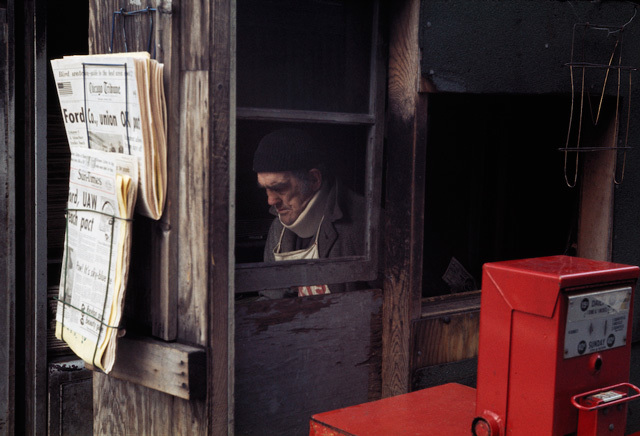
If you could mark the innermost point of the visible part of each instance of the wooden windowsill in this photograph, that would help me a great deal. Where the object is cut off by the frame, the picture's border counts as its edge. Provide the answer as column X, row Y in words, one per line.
column 450, row 304
column 292, row 115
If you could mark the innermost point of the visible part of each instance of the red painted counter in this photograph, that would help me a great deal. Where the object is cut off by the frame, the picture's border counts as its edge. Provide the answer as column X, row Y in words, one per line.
column 446, row 410
column 443, row 410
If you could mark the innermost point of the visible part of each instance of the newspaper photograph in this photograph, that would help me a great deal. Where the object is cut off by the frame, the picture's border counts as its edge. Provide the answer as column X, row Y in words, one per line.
column 115, row 103
column 102, row 195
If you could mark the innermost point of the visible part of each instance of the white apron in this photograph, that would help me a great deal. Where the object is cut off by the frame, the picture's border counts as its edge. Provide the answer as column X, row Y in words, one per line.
column 306, row 253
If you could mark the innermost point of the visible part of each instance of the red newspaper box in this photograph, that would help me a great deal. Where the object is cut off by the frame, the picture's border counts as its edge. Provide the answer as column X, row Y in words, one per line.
column 553, row 329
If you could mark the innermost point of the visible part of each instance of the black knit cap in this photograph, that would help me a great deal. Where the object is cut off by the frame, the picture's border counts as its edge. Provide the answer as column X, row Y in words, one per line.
column 287, row 150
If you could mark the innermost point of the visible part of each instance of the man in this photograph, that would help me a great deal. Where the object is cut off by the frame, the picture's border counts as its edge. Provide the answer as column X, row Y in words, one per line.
column 316, row 217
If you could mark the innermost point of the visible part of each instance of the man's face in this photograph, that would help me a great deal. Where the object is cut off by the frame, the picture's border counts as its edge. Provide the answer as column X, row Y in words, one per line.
column 286, row 193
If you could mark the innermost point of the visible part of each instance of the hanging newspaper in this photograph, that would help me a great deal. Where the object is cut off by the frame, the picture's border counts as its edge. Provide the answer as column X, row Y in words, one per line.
column 116, row 103
column 102, row 195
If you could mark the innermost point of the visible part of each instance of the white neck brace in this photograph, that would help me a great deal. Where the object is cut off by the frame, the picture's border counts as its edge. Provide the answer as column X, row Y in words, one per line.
column 306, row 225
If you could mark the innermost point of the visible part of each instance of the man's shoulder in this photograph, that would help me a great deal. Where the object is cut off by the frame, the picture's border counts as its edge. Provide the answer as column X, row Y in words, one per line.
column 346, row 204
column 272, row 239
column 275, row 227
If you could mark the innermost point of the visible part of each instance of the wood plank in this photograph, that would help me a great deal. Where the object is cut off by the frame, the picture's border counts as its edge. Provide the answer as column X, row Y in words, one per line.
column 193, row 205
column 445, row 341
column 220, row 237
column 406, row 139
column 299, row 356
column 164, row 237
column 444, row 338
column 128, row 408
column 98, row 21
column 169, row 367
column 7, row 227
column 121, row 407
column 595, row 222
column 194, row 43
column 130, row 32
column 189, row 417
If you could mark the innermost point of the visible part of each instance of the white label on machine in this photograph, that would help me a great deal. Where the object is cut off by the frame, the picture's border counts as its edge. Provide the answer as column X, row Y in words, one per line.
column 607, row 397
column 596, row 321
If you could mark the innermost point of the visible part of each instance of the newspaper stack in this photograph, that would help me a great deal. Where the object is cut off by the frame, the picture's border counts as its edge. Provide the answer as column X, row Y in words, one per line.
column 116, row 103
column 102, row 196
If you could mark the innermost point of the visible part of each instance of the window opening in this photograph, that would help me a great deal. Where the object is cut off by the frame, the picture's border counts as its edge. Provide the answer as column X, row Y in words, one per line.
column 309, row 65
column 494, row 184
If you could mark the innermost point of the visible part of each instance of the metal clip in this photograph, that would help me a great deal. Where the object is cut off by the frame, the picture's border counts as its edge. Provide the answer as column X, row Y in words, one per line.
column 122, row 12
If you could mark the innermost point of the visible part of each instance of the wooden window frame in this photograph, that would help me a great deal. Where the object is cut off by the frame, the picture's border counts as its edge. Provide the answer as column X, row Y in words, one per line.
column 269, row 275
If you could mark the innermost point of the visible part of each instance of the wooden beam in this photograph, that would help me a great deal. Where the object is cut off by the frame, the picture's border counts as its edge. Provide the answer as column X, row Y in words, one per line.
column 595, row 226
column 33, row 201
column 193, row 202
column 164, row 236
column 169, row 367
column 404, row 208
column 220, row 261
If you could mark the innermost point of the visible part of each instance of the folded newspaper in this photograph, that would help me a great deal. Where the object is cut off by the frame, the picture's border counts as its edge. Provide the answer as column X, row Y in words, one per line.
column 95, row 264
column 116, row 103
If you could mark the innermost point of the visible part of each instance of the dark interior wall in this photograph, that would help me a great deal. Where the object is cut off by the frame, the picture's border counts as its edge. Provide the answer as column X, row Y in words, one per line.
column 626, row 218
column 61, row 41
column 487, row 51
column 519, row 46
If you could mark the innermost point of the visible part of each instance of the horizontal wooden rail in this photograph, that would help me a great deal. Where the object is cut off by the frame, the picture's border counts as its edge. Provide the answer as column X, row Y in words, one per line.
column 169, row 367
column 291, row 115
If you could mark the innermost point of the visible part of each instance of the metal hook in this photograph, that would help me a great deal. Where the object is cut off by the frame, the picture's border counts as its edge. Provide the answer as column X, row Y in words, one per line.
column 577, row 147
column 584, row 65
